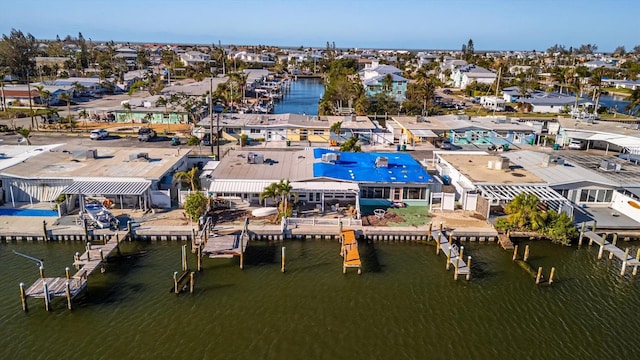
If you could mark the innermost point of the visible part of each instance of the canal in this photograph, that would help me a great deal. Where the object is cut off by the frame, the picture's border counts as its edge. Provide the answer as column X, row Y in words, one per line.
column 405, row 305
column 302, row 98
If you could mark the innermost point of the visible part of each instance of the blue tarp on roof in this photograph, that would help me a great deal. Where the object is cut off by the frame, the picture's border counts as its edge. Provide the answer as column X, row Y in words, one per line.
column 361, row 167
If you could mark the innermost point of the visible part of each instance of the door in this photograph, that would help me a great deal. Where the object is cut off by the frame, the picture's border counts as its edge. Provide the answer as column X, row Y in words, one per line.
column 397, row 194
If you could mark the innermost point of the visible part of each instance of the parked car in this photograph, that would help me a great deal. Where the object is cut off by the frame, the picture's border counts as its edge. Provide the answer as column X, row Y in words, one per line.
column 98, row 134
column 206, row 140
column 146, row 134
column 444, row 144
column 576, row 145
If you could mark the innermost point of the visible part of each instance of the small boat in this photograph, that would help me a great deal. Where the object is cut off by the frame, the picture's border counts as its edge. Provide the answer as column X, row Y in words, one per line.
column 265, row 211
column 100, row 215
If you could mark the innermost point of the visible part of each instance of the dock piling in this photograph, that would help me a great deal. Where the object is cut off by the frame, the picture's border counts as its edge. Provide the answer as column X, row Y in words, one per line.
column 283, row 258
column 41, row 268
column 469, row 267
column 594, row 226
column 438, row 244
column 461, row 256
column 584, row 227
column 515, row 253
column 429, row 231
column 455, row 271
column 184, row 257
column 67, row 290
column 526, row 253
column 45, row 294
column 175, row 282
column 23, row 297
column 67, row 273
column 101, row 255
column 553, row 271
column 448, row 258
column 635, row 267
column 191, row 282
column 44, row 229
column 539, row 275
column 624, row 262
column 601, row 251
column 242, row 251
column 199, row 257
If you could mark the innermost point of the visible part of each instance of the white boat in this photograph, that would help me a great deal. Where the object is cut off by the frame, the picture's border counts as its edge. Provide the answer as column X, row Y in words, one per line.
column 264, row 211
column 99, row 214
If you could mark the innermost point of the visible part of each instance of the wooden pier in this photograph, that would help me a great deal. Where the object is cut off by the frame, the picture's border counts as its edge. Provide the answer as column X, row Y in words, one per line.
column 349, row 251
column 210, row 243
column 70, row 286
column 614, row 251
column 454, row 255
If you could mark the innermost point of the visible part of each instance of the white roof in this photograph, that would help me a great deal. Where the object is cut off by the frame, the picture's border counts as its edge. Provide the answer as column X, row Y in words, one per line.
column 109, row 187
column 424, row 133
column 257, row 186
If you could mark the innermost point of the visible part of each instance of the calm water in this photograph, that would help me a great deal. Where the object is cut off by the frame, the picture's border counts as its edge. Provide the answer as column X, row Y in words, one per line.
column 404, row 306
column 302, row 98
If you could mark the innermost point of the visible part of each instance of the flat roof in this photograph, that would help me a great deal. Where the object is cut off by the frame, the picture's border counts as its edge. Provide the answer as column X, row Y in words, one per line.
column 350, row 122
column 475, row 168
column 361, row 167
column 600, row 126
column 110, row 163
column 292, row 165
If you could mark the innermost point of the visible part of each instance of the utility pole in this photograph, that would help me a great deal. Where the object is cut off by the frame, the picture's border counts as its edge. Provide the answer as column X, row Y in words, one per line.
column 211, row 114
column 33, row 123
column 218, row 135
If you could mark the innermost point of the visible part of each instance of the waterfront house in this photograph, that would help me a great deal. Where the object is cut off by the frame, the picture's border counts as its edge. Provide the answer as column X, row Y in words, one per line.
column 324, row 177
column 192, row 58
column 549, row 102
column 373, row 78
column 129, row 178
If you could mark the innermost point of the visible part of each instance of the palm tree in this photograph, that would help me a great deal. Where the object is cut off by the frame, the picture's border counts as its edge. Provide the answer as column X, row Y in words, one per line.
column 190, row 176
column 45, row 95
column 634, row 102
column 387, row 83
column 524, row 213
column 596, row 83
column 284, row 189
column 127, row 108
column 25, row 133
column 66, row 98
column 271, row 191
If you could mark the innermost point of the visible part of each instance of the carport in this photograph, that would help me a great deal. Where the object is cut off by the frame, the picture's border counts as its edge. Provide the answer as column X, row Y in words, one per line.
column 123, row 193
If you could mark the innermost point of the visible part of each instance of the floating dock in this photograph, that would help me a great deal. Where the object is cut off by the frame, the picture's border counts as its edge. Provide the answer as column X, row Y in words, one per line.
column 210, row 243
column 349, row 251
column 70, row 286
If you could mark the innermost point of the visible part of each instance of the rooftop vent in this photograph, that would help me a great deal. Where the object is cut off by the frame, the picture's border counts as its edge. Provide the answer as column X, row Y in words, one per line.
column 84, row 154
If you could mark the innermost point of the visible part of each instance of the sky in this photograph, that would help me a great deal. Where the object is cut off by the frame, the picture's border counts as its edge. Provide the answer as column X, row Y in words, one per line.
column 398, row 24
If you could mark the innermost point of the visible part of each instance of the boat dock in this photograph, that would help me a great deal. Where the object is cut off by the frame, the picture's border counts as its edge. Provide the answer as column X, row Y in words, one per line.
column 214, row 245
column 71, row 285
column 454, row 255
column 627, row 260
column 349, row 251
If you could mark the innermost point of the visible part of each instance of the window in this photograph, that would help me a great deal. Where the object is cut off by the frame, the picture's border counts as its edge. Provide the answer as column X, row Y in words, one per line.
column 600, row 196
column 255, row 131
column 583, row 195
column 375, row 193
column 608, row 195
column 414, row 193
column 318, row 132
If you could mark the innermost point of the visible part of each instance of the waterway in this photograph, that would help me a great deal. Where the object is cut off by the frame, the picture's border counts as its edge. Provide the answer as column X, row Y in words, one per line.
column 405, row 305
column 302, row 98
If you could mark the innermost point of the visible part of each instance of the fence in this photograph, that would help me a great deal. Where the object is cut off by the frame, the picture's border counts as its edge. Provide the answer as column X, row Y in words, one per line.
column 322, row 222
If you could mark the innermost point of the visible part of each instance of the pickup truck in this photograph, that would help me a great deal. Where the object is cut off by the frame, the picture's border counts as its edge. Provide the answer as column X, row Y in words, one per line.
column 146, row 134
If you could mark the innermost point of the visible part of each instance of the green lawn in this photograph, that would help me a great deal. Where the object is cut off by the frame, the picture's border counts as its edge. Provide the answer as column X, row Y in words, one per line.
column 412, row 215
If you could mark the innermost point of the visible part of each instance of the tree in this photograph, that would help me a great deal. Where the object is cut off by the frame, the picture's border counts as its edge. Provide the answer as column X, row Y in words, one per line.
column 26, row 134
column 351, row 145
column 634, row 102
column 18, row 52
column 387, row 83
column 619, row 51
column 524, row 213
column 66, row 98
column 284, row 190
column 559, row 228
column 336, row 127
column 45, row 95
column 190, row 177
column 127, row 107
column 271, row 191
column 195, row 205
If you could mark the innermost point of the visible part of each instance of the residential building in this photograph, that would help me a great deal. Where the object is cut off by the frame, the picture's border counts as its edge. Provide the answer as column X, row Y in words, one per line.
column 374, row 77
column 191, row 58
column 465, row 75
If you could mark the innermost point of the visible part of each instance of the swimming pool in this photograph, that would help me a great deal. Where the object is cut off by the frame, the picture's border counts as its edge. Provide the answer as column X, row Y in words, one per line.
column 27, row 212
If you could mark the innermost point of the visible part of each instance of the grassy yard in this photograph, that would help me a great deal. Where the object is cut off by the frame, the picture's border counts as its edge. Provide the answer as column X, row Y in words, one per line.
column 412, row 215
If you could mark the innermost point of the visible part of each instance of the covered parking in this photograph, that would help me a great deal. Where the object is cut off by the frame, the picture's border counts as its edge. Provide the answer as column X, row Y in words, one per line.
column 122, row 193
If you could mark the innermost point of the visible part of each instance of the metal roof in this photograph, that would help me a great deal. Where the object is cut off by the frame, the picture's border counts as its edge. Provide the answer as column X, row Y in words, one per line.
column 245, row 186
column 424, row 133
column 105, row 187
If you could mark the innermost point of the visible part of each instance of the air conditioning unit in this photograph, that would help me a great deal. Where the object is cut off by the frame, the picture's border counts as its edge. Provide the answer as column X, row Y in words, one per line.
column 253, row 158
column 608, row 165
column 382, row 161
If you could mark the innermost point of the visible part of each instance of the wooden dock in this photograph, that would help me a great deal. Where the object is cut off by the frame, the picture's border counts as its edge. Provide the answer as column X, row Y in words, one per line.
column 614, row 251
column 349, row 251
column 70, row 286
column 214, row 245
column 454, row 255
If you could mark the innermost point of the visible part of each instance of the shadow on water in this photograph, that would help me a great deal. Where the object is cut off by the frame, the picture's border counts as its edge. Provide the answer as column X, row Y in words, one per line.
column 262, row 255
column 369, row 257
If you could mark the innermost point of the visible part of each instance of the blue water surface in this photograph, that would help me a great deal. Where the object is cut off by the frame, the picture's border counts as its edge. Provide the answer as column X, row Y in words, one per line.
column 27, row 212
